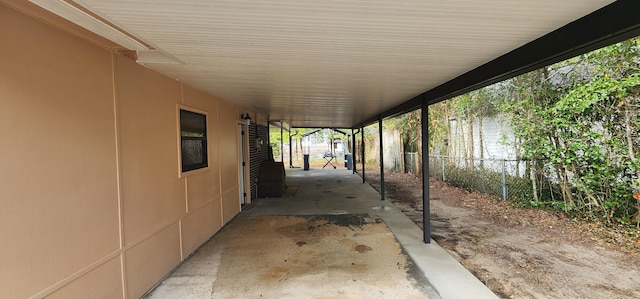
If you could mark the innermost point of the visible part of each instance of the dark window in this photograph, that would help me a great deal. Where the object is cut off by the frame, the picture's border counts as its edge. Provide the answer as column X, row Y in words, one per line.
column 193, row 140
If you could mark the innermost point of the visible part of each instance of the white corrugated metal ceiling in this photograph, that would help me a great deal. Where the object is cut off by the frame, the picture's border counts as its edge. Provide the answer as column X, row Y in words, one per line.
column 331, row 63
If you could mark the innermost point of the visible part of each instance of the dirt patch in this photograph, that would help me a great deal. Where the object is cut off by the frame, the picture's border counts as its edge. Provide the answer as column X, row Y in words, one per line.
column 346, row 220
column 521, row 253
column 363, row 248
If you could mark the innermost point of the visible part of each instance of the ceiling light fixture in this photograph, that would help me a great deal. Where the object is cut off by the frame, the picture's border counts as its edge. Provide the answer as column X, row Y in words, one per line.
column 246, row 117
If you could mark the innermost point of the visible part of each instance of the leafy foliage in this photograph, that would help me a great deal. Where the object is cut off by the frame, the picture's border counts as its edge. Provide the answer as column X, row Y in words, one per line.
column 584, row 125
column 576, row 126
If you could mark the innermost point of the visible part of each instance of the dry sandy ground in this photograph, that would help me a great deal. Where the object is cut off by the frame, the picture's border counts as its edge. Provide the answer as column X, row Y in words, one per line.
column 519, row 253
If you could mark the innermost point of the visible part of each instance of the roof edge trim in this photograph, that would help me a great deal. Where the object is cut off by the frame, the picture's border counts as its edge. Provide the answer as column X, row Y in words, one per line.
column 613, row 23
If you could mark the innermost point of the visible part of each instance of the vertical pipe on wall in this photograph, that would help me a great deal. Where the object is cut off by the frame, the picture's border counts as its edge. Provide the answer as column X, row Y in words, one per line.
column 381, row 158
column 426, row 209
column 281, row 144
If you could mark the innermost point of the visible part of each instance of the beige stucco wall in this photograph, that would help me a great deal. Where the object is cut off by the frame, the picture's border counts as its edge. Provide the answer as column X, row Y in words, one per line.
column 92, row 203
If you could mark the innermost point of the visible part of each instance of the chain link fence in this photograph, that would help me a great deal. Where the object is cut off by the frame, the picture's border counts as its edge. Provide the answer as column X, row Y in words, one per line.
column 506, row 179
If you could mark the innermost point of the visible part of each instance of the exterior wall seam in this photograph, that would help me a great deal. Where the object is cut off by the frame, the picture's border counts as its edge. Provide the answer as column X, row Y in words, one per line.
column 180, row 238
column 116, row 121
column 219, row 168
column 76, row 275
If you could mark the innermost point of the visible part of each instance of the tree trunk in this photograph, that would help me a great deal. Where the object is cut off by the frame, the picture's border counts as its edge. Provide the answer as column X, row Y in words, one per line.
column 534, row 179
column 472, row 153
column 629, row 135
column 561, row 173
column 628, row 112
column 464, row 147
column 481, row 141
column 518, row 156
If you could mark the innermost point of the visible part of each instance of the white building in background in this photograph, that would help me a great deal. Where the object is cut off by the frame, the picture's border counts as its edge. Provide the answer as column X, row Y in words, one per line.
column 495, row 134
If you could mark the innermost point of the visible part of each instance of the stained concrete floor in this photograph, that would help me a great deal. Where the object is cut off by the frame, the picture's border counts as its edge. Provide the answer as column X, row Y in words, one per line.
column 329, row 192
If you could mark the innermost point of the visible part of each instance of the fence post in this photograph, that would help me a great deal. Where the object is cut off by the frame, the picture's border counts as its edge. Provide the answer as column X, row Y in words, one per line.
column 444, row 179
column 504, row 180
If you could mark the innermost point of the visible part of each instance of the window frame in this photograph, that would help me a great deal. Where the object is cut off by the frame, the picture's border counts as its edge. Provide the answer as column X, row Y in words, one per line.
column 198, row 168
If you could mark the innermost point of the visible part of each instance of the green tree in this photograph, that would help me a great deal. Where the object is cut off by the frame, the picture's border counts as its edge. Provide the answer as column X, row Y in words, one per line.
column 581, row 117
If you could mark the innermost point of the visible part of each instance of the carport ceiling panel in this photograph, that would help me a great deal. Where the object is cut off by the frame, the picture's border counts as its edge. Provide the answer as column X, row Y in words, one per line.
column 332, row 63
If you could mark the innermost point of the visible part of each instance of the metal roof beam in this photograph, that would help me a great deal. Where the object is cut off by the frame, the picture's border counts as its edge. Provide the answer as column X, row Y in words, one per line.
column 613, row 23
